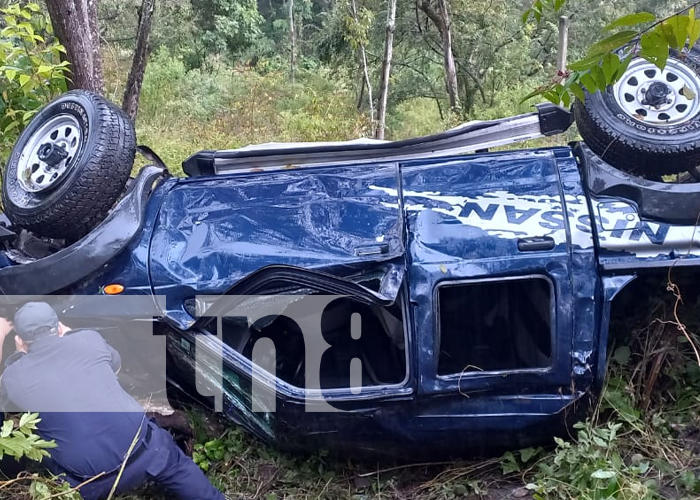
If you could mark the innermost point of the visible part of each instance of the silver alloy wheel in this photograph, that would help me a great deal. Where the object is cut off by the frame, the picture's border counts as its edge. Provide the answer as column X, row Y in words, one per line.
column 655, row 97
column 49, row 153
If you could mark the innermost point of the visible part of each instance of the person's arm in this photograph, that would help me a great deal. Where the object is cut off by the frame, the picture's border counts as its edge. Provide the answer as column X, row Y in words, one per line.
column 5, row 329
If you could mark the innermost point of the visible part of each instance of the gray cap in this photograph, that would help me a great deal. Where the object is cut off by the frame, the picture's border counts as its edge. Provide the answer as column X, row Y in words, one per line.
column 35, row 319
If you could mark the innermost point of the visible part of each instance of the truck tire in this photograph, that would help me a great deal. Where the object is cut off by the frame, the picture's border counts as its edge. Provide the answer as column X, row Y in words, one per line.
column 69, row 166
column 648, row 123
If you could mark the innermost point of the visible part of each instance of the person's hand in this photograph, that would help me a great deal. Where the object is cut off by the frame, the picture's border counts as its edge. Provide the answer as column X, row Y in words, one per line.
column 5, row 328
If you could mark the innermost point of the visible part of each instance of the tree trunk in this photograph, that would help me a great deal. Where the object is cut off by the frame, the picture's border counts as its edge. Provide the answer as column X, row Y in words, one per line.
column 75, row 25
column 361, row 97
column 132, row 92
column 365, row 71
column 96, row 42
column 292, row 42
column 441, row 20
column 386, row 68
column 450, row 68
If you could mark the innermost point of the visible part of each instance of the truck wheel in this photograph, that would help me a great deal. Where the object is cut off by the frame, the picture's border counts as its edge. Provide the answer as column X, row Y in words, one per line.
column 69, row 166
column 648, row 123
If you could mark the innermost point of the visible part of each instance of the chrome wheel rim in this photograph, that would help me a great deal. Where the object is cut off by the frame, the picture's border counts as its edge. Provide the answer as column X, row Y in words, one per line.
column 658, row 97
column 49, row 153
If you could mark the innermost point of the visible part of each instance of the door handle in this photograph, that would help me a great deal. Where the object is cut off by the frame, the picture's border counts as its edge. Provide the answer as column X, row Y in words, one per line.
column 535, row 244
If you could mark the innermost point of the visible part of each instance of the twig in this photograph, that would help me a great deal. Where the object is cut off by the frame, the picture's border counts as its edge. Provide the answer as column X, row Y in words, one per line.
column 10, row 482
column 133, row 444
column 399, row 467
column 661, row 21
column 673, row 288
column 73, row 490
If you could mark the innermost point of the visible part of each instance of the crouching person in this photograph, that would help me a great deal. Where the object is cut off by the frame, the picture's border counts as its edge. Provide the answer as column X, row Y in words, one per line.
column 96, row 425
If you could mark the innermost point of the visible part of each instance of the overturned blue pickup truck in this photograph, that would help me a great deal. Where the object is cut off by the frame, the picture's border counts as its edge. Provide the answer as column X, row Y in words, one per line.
column 471, row 290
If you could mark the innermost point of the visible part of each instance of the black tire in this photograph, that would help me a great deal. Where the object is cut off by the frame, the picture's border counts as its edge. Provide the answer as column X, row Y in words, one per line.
column 91, row 180
column 641, row 148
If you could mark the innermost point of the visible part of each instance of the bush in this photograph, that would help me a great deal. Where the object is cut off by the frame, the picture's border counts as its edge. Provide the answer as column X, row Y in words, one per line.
column 31, row 72
column 17, row 439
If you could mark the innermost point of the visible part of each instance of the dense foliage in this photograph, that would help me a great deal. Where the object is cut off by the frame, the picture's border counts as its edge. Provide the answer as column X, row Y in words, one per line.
column 31, row 70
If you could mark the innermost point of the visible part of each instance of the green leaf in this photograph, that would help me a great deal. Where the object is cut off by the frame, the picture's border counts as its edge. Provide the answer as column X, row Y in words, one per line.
column 526, row 16
column 666, row 31
column 599, row 77
column 609, row 66
column 624, row 64
column 558, row 4
column 537, row 10
column 693, row 28
column 6, row 429
column 585, row 63
column 679, row 25
column 39, row 490
column 551, row 96
column 527, row 453
column 589, row 83
column 24, row 79
column 566, row 99
column 26, row 417
column 654, row 48
column 631, row 20
column 612, row 42
column 642, row 467
column 27, row 27
column 603, row 474
column 534, row 93
column 577, row 90
column 509, row 464
column 10, row 74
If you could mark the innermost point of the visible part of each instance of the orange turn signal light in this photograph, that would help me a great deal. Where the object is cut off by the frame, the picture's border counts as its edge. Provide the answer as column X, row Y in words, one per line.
column 113, row 289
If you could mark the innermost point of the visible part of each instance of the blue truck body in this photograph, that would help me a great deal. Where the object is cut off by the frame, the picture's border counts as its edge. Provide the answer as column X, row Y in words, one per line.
column 501, row 269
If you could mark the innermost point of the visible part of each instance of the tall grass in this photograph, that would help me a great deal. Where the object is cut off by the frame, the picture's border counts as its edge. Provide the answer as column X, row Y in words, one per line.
column 182, row 112
column 223, row 107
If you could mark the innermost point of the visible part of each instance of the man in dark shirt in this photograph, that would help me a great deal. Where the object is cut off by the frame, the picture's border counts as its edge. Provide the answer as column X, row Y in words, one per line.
column 71, row 380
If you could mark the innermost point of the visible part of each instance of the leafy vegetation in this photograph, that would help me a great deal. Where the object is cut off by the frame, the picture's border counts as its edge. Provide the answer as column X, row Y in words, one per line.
column 31, row 70
column 639, row 34
column 18, row 440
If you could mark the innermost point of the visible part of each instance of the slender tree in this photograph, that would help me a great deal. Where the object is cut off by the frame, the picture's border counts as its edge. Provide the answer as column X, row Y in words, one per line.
column 386, row 68
column 132, row 92
column 292, row 42
column 441, row 20
column 360, row 41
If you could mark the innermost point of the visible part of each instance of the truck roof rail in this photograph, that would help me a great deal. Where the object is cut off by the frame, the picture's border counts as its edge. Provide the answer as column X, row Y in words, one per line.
column 469, row 137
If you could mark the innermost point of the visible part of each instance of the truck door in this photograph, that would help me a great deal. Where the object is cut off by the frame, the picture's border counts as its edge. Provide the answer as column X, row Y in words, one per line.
column 502, row 281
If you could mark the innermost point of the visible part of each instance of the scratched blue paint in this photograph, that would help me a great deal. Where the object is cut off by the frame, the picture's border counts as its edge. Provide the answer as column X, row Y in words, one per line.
column 448, row 220
column 209, row 234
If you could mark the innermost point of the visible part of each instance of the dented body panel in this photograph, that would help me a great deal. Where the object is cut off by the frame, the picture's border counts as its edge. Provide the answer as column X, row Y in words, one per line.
column 511, row 259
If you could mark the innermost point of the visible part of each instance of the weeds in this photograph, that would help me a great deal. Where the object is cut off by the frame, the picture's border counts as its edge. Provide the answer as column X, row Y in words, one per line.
column 636, row 444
